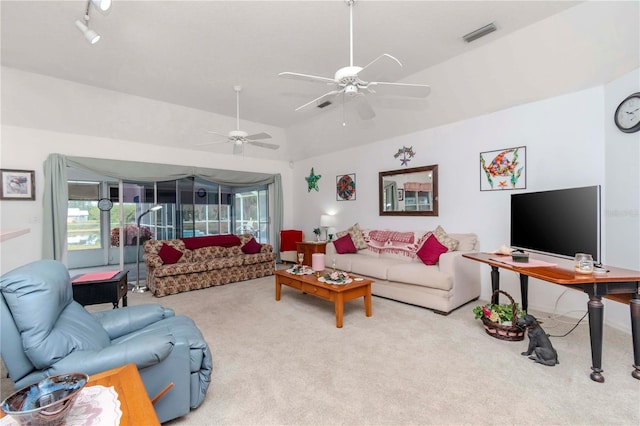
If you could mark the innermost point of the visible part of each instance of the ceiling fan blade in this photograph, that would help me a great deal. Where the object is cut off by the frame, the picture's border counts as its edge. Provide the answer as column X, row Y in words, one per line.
column 364, row 108
column 215, row 140
column 321, row 98
column 307, row 77
column 224, row 135
column 211, row 143
column 384, row 67
column 264, row 144
column 237, row 148
column 399, row 89
column 257, row 136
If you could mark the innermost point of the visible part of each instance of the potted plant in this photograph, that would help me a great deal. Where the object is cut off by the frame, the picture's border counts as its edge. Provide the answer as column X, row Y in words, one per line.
column 317, row 232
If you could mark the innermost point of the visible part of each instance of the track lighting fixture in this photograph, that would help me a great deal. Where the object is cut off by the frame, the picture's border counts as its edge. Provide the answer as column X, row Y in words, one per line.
column 83, row 25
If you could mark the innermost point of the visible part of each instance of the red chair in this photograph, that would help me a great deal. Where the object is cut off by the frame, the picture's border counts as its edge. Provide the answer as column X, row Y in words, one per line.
column 288, row 247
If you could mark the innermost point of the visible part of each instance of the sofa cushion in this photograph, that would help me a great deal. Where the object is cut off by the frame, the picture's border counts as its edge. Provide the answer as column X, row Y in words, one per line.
column 419, row 274
column 356, row 236
column 251, row 259
column 181, row 268
column 169, row 254
column 251, row 247
column 207, row 253
column 226, row 240
column 445, row 239
column 466, row 242
column 431, row 250
column 372, row 266
column 345, row 245
column 224, row 262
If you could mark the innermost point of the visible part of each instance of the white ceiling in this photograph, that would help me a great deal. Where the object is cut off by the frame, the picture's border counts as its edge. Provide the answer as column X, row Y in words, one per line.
column 191, row 53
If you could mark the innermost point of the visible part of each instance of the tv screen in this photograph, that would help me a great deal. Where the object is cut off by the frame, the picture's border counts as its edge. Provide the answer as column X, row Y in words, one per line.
column 561, row 222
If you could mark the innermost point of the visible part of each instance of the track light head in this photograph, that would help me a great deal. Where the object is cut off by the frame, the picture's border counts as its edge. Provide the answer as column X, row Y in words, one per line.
column 91, row 36
column 102, row 5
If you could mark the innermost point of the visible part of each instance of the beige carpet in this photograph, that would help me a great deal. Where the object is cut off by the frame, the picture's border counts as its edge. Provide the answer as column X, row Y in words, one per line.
column 285, row 363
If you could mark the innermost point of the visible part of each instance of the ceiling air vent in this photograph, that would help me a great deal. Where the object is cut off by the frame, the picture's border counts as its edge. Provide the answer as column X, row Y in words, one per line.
column 480, row 32
column 324, row 104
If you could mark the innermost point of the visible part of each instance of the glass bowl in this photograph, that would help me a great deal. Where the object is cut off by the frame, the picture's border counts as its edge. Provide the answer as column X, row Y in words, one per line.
column 46, row 402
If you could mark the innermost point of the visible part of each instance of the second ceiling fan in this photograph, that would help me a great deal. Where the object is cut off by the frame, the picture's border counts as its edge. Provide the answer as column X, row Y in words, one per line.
column 357, row 82
column 238, row 137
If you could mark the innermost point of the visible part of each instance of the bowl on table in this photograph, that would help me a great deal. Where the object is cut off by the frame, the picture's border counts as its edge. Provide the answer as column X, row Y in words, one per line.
column 46, row 402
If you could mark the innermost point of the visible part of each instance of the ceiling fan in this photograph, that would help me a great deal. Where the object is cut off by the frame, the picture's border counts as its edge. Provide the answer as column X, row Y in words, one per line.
column 356, row 82
column 238, row 137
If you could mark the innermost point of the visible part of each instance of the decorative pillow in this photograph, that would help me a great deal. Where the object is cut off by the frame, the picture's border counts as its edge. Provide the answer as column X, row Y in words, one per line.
column 431, row 250
column 225, row 240
column 169, row 255
column 445, row 239
column 252, row 247
column 345, row 245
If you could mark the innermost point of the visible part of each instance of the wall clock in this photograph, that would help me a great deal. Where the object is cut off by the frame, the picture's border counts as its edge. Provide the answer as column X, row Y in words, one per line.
column 627, row 116
column 105, row 204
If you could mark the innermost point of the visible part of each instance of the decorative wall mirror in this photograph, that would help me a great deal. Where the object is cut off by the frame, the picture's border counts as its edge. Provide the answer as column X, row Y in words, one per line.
column 409, row 192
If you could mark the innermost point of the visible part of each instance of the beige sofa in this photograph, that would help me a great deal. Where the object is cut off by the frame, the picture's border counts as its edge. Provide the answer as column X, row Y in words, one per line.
column 399, row 275
column 203, row 262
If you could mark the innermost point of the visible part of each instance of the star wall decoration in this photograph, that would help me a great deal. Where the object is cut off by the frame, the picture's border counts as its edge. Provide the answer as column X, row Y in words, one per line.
column 312, row 181
column 406, row 153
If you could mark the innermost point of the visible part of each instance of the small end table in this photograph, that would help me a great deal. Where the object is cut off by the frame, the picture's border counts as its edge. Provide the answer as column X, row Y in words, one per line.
column 101, row 290
column 310, row 247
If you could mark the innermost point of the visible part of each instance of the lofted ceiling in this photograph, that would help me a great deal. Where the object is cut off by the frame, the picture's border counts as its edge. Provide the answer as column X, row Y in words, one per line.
column 191, row 53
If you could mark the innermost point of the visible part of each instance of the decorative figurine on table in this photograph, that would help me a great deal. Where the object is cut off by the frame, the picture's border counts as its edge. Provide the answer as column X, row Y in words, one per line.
column 540, row 348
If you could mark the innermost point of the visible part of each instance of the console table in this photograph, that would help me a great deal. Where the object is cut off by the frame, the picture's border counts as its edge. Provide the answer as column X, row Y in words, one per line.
column 616, row 281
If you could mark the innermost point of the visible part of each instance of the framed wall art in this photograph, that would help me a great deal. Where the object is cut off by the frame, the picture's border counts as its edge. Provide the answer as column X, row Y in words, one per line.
column 346, row 187
column 503, row 169
column 17, row 184
column 400, row 194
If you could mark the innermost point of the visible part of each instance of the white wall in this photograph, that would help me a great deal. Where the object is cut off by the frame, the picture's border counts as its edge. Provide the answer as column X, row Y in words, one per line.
column 566, row 143
column 24, row 148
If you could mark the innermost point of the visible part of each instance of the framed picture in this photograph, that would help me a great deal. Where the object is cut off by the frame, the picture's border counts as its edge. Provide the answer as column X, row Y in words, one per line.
column 18, row 184
column 503, row 169
column 346, row 187
column 400, row 194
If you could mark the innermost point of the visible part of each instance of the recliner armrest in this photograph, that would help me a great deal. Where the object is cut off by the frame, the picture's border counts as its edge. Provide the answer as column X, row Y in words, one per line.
column 119, row 322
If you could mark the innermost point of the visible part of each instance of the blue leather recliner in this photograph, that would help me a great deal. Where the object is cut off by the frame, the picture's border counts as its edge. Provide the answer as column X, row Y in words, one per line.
column 44, row 332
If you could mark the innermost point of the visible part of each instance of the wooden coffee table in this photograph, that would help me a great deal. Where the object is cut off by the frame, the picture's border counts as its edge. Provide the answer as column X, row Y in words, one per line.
column 338, row 294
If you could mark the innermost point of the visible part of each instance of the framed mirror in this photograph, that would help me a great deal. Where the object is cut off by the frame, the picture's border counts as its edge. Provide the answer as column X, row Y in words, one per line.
column 409, row 192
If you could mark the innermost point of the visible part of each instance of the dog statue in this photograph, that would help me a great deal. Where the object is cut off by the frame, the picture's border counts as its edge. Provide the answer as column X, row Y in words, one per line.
column 539, row 344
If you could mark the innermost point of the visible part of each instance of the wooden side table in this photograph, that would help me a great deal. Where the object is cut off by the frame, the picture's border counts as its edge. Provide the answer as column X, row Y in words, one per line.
column 102, row 291
column 310, row 247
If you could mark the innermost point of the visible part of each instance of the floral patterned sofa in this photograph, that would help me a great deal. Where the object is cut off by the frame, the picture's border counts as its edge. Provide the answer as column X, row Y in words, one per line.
column 174, row 266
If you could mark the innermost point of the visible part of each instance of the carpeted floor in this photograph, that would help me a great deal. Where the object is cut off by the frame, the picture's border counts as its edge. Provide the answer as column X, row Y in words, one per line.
column 285, row 363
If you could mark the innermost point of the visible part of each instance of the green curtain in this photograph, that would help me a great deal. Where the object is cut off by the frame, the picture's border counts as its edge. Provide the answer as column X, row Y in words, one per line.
column 56, row 194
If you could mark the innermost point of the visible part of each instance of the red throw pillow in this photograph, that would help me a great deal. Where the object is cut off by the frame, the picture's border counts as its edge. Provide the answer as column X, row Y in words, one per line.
column 225, row 240
column 431, row 250
column 345, row 244
column 251, row 247
column 169, row 254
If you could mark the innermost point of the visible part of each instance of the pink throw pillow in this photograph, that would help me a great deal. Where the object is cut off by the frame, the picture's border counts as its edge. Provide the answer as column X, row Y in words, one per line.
column 431, row 250
column 345, row 244
column 251, row 247
column 169, row 254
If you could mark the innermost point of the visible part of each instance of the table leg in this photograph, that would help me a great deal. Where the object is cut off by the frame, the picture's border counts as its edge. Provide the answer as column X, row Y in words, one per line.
column 124, row 300
column 115, row 304
column 524, row 291
column 367, row 302
column 278, row 288
column 339, row 306
column 634, row 307
column 596, row 310
column 495, row 284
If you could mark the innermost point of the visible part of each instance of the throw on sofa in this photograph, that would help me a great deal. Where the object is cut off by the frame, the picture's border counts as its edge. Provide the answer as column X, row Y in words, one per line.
column 417, row 267
column 174, row 266
column 46, row 333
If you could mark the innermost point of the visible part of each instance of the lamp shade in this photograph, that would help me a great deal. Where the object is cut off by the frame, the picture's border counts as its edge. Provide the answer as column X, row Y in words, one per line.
column 326, row 220
column 102, row 5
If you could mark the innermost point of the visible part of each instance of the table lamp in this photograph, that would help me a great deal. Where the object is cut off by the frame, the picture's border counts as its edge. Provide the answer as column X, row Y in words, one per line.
column 326, row 221
column 137, row 288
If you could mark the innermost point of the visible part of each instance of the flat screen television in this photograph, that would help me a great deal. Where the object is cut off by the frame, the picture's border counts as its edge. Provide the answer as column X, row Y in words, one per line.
column 561, row 222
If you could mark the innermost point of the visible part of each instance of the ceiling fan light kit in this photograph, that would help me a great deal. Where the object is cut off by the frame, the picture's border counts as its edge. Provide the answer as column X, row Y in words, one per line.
column 358, row 82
